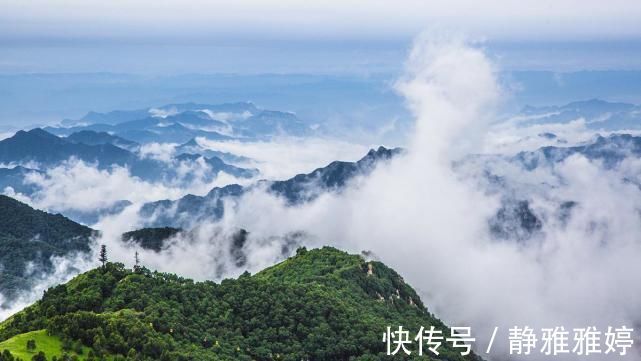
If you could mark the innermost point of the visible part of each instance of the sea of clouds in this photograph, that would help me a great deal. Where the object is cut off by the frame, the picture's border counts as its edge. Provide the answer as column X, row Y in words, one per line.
column 417, row 213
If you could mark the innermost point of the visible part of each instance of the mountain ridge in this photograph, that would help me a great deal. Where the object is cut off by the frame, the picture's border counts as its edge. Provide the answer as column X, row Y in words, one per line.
column 306, row 307
column 298, row 189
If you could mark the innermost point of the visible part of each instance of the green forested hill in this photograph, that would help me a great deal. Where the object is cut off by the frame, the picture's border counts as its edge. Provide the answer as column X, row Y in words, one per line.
column 31, row 236
column 321, row 304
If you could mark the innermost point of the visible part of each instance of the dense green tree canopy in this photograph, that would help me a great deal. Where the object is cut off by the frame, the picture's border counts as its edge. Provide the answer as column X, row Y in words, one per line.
column 27, row 236
column 321, row 304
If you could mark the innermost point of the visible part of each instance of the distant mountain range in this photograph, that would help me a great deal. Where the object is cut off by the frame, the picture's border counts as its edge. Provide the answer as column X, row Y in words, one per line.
column 90, row 137
column 224, row 111
column 517, row 219
column 192, row 209
column 610, row 150
column 28, row 236
column 598, row 114
column 44, row 150
column 333, row 177
column 194, row 147
column 179, row 123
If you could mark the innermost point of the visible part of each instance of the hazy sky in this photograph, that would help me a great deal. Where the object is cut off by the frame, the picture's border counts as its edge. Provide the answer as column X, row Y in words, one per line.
column 171, row 36
column 325, row 19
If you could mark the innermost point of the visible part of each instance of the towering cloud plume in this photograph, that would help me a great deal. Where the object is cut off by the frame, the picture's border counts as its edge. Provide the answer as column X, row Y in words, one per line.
column 431, row 223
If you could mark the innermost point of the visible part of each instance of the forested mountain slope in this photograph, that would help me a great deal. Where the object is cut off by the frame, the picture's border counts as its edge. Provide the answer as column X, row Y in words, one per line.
column 31, row 237
column 321, row 304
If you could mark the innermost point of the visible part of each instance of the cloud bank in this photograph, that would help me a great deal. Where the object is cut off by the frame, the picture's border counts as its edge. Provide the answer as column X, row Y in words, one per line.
column 430, row 221
column 431, row 224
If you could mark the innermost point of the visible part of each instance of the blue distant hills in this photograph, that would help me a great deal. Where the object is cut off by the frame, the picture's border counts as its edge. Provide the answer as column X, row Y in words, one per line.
column 179, row 123
column 597, row 113
column 305, row 187
column 115, row 139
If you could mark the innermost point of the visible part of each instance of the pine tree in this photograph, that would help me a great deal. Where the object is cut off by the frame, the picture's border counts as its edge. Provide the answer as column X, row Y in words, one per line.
column 103, row 255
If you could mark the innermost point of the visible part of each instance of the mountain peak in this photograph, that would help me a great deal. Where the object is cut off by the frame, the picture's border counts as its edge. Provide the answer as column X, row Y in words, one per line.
column 32, row 138
column 191, row 143
column 36, row 132
column 310, row 291
column 382, row 153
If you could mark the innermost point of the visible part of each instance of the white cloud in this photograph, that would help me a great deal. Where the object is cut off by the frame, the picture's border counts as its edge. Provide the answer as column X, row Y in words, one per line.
column 510, row 137
column 226, row 116
column 421, row 218
column 430, row 223
column 162, row 113
column 158, row 151
column 76, row 185
column 283, row 158
column 5, row 135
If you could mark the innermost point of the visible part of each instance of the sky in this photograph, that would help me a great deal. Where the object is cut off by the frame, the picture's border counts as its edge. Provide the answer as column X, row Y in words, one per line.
column 361, row 45
column 267, row 36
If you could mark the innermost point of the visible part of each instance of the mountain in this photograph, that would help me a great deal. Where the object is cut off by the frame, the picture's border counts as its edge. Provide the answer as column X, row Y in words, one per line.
column 190, row 209
column 598, row 114
column 193, row 147
column 306, row 187
column 14, row 178
column 113, row 117
column 145, row 130
column 91, row 137
column 219, row 111
column 44, row 148
column 269, row 123
column 610, row 150
column 66, row 131
column 517, row 219
column 301, row 188
column 162, row 130
column 224, row 111
column 29, row 238
column 196, row 119
column 179, row 123
column 48, row 150
column 321, row 304
column 150, row 238
column 219, row 165
column 234, row 246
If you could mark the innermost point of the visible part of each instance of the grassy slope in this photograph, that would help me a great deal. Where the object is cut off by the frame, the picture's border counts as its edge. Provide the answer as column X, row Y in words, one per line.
column 50, row 345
